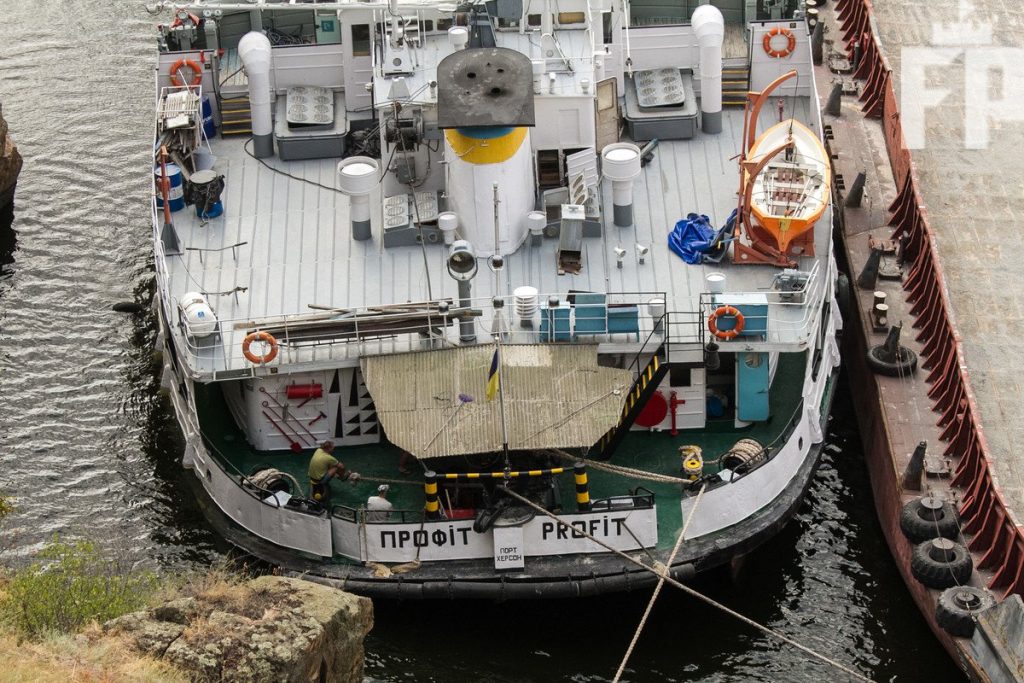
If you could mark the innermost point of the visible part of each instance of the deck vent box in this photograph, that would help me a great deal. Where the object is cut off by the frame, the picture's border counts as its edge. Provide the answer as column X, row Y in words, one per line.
column 665, row 117
column 322, row 141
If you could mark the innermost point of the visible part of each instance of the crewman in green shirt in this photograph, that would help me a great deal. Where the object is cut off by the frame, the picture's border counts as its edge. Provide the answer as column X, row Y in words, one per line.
column 323, row 467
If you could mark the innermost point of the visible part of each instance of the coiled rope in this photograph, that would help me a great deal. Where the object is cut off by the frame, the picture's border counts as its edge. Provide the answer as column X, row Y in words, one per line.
column 664, row 575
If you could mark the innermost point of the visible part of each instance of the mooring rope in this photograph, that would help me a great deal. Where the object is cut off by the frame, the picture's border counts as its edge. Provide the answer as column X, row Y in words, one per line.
column 691, row 591
column 657, row 589
column 621, row 469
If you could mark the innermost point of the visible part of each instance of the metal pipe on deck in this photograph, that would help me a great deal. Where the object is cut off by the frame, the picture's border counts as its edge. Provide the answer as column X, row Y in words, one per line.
column 709, row 25
column 255, row 52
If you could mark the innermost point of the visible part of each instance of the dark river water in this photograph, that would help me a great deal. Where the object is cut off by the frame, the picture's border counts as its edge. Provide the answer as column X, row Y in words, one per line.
column 88, row 448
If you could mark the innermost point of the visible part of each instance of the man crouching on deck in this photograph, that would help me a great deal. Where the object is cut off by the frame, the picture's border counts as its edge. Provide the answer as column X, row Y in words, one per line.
column 323, row 467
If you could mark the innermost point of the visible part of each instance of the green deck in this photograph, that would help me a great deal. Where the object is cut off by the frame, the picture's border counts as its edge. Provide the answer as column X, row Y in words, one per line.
column 649, row 451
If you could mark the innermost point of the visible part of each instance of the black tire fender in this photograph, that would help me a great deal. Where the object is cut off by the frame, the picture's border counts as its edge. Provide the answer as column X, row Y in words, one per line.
column 907, row 365
column 941, row 563
column 959, row 607
column 923, row 519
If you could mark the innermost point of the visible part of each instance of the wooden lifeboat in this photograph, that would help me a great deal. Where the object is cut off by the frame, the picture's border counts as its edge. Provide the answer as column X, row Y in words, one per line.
column 786, row 179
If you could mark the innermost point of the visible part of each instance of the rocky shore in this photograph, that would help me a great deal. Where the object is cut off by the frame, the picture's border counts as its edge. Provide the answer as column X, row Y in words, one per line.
column 268, row 629
column 10, row 164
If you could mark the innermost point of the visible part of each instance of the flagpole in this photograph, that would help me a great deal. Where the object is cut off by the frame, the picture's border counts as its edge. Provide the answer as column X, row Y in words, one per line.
column 501, row 401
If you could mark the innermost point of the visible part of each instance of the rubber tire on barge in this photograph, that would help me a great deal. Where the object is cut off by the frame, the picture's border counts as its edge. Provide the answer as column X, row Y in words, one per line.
column 905, row 366
column 953, row 614
column 928, row 566
column 920, row 521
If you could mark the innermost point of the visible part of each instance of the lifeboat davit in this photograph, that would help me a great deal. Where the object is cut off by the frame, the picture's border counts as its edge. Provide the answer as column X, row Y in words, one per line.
column 788, row 181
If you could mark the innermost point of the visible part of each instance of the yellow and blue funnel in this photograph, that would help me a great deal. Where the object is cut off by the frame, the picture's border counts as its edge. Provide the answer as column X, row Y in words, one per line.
column 485, row 144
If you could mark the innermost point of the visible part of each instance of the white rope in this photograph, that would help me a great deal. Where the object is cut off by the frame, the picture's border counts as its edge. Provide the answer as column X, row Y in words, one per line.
column 657, row 589
column 620, row 469
column 690, row 591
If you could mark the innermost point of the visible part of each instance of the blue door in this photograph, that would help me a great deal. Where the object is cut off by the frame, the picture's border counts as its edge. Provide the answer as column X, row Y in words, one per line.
column 752, row 387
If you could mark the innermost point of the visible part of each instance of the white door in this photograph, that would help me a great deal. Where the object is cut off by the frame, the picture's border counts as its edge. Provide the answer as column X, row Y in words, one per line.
column 607, row 113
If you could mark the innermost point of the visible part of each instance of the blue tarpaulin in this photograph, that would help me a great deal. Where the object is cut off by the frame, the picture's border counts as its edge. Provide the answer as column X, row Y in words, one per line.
column 695, row 240
column 692, row 238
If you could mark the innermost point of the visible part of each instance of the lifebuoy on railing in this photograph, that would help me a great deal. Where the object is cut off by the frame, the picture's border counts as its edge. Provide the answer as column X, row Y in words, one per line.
column 766, row 42
column 267, row 339
column 197, row 72
column 723, row 311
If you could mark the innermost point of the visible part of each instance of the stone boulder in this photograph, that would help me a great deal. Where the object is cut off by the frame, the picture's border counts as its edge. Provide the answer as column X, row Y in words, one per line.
column 268, row 629
column 10, row 160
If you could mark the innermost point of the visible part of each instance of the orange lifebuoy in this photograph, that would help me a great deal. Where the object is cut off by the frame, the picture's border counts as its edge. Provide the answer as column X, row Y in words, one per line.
column 267, row 339
column 726, row 334
column 197, row 72
column 766, row 43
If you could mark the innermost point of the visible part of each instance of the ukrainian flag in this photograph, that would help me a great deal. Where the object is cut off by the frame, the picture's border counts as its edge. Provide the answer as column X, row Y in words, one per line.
column 492, row 377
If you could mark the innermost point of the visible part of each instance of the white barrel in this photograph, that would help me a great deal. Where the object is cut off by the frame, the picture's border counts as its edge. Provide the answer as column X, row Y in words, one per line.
column 200, row 319
column 448, row 223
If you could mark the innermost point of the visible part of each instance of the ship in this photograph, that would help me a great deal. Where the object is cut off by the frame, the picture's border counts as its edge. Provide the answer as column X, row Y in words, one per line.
column 941, row 482
column 10, row 165
column 554, row 282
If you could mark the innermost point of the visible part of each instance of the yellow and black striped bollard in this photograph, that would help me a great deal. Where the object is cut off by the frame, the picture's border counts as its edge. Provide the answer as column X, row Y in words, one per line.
column 433, row 506
column 582, row 487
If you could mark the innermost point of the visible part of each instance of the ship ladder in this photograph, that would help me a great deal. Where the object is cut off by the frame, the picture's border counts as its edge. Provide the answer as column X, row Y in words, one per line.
column 235, row 115
column 645, row 384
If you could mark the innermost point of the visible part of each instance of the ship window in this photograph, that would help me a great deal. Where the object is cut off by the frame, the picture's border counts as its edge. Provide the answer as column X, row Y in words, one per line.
column 565, row 18
column 533, row 19
column 361, row 40
column 444, row 24
column 606, row 27
column 428, row 25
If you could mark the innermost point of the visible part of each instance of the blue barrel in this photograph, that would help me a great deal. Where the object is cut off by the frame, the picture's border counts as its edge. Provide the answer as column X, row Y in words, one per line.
column 209, row 126
column 176, row 195
column 215, row 210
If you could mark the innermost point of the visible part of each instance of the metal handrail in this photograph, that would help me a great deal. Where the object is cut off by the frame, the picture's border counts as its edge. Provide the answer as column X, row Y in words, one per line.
column 807, row 300
column 373, row 330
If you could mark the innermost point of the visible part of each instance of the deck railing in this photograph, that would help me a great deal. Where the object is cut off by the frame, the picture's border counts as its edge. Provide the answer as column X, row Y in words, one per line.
column 630, row 320
column 772, row 316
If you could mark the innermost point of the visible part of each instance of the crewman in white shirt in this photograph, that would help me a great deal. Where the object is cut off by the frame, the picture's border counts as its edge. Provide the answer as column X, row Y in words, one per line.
column 378, row 508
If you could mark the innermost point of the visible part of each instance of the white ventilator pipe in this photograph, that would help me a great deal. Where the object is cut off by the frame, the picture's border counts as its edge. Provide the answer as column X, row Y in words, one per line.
column 620, row 164
column 709, row 26
column 357, row 178
column 254, row 51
